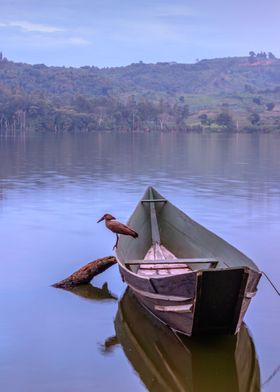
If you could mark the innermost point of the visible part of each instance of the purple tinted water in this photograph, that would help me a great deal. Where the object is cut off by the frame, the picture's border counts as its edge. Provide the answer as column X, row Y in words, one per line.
column 53, row 189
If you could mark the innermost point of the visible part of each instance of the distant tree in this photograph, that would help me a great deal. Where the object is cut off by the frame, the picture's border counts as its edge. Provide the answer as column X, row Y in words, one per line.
column 182, row 99
column 204, row 119
column 271, row 56
column 1, row 56
column 81, row 103
column 252, row 57
column 224, row 119
column 261, row 55
column 257, row 101
column 181, row 113
column 254, row 118
column 270, row 106
column 248, row 88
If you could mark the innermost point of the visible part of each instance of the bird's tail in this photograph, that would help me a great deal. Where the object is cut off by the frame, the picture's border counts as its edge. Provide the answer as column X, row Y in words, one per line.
column 134, row 234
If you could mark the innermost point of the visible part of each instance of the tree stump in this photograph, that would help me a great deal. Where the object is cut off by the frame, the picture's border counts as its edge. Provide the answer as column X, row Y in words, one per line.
column 86, row 273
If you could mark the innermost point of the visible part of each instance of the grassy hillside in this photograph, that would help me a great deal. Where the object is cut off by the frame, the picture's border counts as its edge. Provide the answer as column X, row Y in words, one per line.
column 232, row 94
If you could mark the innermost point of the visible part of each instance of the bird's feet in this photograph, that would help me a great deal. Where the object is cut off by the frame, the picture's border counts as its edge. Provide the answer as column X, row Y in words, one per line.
column 116, row 244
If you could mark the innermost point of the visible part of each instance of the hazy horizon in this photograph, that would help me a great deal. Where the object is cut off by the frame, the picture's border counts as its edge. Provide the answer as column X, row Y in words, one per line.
column 106, row 34
column 124, row 65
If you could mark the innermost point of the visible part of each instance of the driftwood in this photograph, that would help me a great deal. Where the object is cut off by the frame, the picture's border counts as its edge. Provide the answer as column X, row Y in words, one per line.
column 85, row 274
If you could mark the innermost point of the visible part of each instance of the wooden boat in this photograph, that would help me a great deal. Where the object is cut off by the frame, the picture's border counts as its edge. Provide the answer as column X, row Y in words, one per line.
column 185, row 275
column 167, row 361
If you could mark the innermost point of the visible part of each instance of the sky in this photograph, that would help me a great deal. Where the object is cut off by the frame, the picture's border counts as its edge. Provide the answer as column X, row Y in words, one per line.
column 108, row 33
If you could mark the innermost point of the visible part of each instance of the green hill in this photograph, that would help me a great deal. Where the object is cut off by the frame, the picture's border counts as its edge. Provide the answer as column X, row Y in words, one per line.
column 228, row 94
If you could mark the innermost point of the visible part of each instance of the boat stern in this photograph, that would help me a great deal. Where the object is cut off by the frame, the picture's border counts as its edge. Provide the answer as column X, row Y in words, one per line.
column 222, row 299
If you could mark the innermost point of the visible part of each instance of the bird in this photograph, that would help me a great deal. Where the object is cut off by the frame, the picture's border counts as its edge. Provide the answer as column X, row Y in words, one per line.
column 117, row 227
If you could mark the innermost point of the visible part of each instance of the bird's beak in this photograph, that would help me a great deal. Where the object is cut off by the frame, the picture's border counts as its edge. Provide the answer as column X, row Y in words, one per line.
column 101, row 219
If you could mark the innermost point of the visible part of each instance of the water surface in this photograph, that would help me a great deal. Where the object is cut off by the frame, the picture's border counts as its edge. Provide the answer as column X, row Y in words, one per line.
column 53, row 188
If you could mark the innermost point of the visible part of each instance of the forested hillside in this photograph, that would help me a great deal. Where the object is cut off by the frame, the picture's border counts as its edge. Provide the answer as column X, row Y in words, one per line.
column 229, row 94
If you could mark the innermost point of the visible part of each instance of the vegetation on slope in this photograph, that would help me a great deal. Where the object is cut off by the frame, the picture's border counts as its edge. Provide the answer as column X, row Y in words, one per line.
column 230, row 94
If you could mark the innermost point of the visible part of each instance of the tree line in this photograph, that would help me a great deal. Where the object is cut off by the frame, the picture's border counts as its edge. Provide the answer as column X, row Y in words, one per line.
column 22, row 112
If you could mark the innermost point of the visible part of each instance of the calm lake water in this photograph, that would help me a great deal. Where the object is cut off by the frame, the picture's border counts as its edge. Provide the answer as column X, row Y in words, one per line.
column 52, row 191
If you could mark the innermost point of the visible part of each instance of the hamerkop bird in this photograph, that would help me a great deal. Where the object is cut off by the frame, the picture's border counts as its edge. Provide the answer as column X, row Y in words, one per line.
column 117, row 227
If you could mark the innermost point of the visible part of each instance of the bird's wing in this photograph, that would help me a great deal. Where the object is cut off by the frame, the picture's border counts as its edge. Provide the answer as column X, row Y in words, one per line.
column 120, row 228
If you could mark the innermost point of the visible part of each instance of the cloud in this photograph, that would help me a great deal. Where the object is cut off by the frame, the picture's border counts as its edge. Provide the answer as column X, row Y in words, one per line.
column 76, row 41
column 175, row 10
column 43, row 34
column 32, row 27
column 39, row 40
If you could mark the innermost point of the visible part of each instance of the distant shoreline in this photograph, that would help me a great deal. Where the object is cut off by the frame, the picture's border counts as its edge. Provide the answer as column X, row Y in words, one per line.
column 238, row 94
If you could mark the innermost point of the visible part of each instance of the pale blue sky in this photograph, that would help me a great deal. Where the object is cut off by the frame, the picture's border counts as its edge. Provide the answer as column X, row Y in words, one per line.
column 113, row 33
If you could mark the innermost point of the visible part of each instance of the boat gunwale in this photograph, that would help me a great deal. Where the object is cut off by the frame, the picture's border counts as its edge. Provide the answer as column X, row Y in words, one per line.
column 198, row 272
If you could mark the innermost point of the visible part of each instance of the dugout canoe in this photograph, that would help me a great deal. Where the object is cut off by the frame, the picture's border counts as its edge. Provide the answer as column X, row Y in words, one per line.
column 185, row 275
column 168, row 361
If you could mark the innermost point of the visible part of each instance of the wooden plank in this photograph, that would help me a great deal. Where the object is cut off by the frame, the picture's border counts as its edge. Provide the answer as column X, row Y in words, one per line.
column 175, row 308
column 164, row 266
column 175, row 261
column 181, row 322
column 154, row 225
column 154, row 201
column 159, row 250
column 161, row 297
column 250, row 295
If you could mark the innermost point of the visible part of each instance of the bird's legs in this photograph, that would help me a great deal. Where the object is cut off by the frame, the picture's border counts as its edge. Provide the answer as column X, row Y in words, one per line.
column 116, row 244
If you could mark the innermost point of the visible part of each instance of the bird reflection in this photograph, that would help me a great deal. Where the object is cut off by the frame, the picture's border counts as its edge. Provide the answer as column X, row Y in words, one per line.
column 109, row 344
column 88, row 291
column 166, row 361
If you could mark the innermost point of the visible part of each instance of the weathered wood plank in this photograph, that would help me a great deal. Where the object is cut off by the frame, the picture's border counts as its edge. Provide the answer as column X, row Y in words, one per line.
column 175, row 308
column 163, row 266
column 153, row 201
column 161, row 297
column 175, row 261
column 179, row 321
column 154, row 225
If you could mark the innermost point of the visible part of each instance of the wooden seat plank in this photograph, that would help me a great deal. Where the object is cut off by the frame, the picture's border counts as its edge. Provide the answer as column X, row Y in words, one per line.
column 175, row 261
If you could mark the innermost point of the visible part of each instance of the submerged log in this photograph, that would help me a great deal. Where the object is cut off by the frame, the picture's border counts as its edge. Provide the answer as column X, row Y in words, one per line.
column 86, row 273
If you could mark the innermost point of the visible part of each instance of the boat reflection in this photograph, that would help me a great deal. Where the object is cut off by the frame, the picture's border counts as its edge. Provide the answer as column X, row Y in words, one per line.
column 88, row 291
column 166, row 361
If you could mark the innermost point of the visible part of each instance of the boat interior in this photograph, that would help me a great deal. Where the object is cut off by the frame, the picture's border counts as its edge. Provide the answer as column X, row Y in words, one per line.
column 168, row 263
column 171, row 243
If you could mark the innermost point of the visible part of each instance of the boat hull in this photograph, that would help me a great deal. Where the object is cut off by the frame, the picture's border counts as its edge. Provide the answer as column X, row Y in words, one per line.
column 199, row 302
